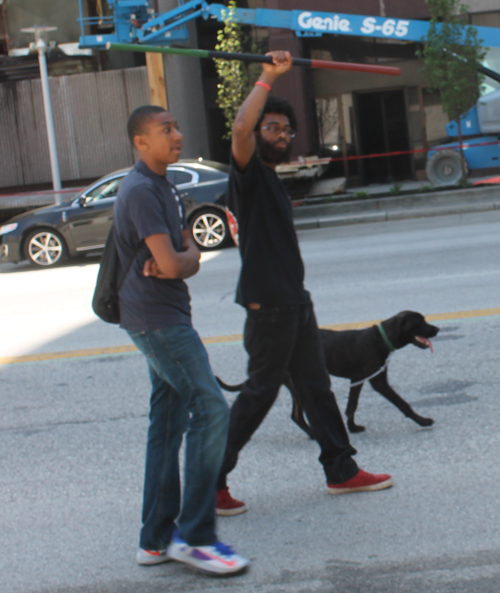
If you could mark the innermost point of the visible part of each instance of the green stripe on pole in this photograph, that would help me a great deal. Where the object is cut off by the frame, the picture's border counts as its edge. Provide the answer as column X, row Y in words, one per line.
column 194, row 53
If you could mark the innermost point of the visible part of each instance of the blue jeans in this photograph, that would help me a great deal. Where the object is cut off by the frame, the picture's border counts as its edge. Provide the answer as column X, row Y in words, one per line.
column 185, row 398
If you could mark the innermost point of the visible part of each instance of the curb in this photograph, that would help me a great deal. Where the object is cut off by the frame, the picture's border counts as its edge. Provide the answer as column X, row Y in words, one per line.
column 398, row 208
column 396, row 214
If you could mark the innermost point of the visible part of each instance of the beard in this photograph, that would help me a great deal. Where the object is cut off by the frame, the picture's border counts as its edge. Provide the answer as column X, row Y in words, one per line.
column 270, row 154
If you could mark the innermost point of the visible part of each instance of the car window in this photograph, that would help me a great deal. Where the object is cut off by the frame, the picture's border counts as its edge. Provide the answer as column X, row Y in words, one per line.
column 179, row 176
column 108, row 189
column 183, row 177
column 211, row 174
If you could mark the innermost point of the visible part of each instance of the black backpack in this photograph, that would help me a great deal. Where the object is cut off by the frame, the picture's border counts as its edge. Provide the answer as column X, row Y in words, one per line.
column 105, row 300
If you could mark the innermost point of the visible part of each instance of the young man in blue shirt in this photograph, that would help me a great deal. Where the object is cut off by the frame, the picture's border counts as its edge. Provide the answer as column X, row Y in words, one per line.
column 157, row 253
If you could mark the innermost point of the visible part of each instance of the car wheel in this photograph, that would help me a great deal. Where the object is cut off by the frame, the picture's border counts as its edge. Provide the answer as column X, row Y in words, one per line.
column 45, row 248
column 210, row 229
column 444, row 168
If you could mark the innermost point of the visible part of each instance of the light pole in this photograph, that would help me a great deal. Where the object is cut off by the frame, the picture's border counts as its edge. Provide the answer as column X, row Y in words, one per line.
column 41, row 46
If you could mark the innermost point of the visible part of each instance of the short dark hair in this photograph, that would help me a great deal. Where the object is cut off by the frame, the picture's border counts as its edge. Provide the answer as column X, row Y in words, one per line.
column 139, row 118
column 278, row 105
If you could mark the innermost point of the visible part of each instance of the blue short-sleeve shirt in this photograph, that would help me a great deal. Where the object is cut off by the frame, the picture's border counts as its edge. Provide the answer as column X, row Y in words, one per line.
column 147, row 204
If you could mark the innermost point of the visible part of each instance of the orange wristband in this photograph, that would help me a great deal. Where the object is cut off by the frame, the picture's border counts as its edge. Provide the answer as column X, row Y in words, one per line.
column 263, row 84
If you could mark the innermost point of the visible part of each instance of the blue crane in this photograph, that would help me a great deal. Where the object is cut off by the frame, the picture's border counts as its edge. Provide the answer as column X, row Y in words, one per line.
column 135, row 21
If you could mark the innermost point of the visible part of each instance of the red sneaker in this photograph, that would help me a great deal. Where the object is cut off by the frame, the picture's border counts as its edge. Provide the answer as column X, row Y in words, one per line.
column 362, row 482
column 226, row 505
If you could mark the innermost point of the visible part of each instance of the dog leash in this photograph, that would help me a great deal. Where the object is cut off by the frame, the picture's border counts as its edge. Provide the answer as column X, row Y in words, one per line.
column 389, row 345
column 381, row 370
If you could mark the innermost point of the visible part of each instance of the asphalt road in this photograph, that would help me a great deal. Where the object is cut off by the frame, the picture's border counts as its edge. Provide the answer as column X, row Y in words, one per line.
column 72, row 429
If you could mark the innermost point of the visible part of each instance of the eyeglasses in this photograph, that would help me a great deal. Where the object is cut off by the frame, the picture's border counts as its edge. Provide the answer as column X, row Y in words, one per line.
column 276, row 130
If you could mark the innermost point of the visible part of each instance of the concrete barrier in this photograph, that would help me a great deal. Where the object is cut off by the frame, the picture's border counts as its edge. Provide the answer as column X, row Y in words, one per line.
column 354, row 211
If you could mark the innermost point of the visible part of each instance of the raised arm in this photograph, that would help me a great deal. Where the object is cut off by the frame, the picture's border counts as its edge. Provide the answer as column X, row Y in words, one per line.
column 243, row 137
column 169, row 264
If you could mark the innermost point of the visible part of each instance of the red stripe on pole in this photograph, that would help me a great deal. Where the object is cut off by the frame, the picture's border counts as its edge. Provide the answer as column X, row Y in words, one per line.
column 327, row 65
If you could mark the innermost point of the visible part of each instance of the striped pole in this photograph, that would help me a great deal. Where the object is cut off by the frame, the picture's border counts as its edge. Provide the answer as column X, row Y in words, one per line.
column 221, row 55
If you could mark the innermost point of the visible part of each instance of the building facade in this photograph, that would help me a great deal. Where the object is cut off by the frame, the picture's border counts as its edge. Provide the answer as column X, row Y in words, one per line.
column 357, row 113
column 339, row 112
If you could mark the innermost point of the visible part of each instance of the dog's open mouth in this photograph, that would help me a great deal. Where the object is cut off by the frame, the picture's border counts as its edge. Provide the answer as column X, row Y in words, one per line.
column 425, row 343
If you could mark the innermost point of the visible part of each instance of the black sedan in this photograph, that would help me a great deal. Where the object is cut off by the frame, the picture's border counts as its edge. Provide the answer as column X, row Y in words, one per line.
column 48, row 235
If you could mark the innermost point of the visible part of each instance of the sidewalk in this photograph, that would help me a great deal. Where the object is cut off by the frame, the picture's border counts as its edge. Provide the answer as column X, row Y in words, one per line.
column 37, row 199
column 348, row 210
column 345, row 208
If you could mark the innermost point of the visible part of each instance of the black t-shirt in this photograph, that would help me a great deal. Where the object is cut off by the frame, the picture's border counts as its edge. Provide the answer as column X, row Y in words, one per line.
column 147, row 205
column 272, row 271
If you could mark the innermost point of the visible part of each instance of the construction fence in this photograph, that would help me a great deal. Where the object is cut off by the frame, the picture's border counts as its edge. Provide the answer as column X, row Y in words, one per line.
column 90, row 115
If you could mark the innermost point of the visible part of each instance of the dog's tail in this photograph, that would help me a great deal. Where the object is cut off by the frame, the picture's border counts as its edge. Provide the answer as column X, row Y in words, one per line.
column 227, row 387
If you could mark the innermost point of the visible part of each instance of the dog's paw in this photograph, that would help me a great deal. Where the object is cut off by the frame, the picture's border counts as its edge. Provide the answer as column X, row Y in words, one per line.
column 353, row 427
column 424, row 421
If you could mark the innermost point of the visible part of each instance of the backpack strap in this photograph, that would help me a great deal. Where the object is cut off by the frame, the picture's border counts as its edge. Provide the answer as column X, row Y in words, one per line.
column 118, row 287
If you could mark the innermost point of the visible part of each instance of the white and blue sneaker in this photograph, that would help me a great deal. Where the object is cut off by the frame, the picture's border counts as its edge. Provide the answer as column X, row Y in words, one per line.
column 149, row 557
column 215, row 559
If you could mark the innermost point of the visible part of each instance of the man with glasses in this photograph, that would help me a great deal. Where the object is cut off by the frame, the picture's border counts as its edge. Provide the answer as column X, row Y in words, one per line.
column 281, row 334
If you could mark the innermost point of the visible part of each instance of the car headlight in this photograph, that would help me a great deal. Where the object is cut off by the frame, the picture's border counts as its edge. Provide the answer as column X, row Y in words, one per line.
column 8, row 228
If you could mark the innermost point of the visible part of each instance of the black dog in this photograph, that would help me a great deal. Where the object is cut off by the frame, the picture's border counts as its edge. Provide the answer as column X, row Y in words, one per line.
column 362, row 355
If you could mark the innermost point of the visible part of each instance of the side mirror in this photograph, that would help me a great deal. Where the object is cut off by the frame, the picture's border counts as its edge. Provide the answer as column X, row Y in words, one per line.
column 82, row 201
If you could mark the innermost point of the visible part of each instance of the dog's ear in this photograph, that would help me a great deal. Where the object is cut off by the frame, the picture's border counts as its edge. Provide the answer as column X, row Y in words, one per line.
column 412, row 320
column 393, row 326
column 406, row 326
column 414, row 324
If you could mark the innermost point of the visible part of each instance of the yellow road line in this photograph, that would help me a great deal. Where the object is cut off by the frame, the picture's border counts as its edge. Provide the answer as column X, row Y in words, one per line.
column 463, row 314
column 221, row 339
column 67, row 354
column 225, row 339
column 432, row 317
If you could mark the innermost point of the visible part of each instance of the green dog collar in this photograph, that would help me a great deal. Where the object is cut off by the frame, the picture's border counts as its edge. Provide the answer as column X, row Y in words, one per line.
column 385, row 338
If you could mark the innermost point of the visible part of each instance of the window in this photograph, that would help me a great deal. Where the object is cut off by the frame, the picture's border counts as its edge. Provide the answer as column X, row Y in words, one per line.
column 179, row 176
column 108, row 189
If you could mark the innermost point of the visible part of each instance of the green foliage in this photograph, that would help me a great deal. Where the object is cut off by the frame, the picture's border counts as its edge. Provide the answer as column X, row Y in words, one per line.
column 426, row 188
column 395, row 189
column 232, row 89
column 254, row 69
column 361, row 195
column 456, row 77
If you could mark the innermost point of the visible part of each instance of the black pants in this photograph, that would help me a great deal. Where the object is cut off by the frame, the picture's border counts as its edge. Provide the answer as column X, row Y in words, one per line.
column 281, row 339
